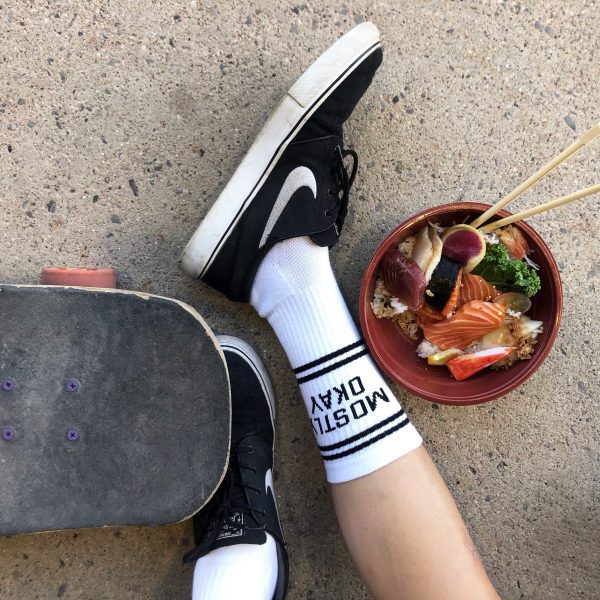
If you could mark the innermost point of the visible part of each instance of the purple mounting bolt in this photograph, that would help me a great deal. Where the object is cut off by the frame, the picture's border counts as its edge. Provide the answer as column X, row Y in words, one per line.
column 8, row 434
column 72, row 435
column 72, row 385
column 8, row 385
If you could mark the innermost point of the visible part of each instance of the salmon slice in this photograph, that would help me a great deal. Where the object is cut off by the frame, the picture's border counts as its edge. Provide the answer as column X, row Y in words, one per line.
column 427, row 314
column 469, row 323
column 475, row 287
column 452, row 302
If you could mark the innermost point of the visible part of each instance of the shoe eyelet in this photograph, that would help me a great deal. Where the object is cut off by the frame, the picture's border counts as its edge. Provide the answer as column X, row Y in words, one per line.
column 330, row 193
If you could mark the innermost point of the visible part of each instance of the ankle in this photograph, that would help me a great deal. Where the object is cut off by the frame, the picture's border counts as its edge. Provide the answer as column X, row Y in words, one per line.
column 289, row 268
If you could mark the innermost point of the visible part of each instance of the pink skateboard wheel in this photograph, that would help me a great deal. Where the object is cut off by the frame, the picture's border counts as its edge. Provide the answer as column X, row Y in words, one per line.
column 98, row 278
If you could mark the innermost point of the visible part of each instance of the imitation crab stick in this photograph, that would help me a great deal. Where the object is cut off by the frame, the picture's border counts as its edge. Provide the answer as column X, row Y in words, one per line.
column 464, row 366
column 469, row 323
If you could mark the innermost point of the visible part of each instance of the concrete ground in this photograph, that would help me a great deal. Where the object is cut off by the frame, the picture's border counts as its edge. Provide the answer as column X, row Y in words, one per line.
column 121, row 121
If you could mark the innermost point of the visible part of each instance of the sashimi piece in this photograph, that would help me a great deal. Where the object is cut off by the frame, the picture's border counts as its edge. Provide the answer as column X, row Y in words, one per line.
column 442, row 282
column 452, row 302
column 403, row 278
column 469, row 323
column 423, row 249
column 464, row 366
column 514, row 240
column 427, row 314
column 436, row 253
column 475, row 287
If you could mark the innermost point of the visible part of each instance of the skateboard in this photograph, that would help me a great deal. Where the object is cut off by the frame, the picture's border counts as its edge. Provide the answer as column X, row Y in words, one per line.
column 114, row 409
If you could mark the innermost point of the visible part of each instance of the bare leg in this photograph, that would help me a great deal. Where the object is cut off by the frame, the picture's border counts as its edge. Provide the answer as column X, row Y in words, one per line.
column 399, row 521
column 406, row 535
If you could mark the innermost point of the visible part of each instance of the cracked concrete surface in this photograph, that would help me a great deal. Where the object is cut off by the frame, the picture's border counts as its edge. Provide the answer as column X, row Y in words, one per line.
column 119, row 124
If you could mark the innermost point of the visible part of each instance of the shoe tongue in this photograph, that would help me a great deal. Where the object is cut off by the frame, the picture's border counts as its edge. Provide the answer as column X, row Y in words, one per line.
column 233, row 531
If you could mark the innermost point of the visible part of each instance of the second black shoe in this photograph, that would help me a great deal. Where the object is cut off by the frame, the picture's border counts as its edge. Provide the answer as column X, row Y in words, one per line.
column 243, row 510
column 294, row 180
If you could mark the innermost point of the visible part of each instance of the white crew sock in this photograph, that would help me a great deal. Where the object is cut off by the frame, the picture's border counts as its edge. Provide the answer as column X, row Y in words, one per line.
column 247, row 571
column 359, row 424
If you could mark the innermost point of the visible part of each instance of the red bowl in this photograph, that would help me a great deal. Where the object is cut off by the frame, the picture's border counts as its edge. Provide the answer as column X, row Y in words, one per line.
column 395, row 352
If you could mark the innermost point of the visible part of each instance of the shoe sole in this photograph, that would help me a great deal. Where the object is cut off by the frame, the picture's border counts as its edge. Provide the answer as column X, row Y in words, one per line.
column 308, row 93
column 246, row 351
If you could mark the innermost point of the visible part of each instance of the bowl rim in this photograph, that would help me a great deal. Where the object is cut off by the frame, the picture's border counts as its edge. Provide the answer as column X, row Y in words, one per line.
column 478, row 398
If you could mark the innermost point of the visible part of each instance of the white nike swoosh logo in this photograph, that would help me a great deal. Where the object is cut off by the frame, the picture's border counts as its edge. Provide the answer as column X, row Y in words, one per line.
column 299, row 177
column 269, row 482
column 269, row 485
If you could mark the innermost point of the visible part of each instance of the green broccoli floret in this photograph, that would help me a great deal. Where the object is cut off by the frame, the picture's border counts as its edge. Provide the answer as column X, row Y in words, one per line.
column 507, row 274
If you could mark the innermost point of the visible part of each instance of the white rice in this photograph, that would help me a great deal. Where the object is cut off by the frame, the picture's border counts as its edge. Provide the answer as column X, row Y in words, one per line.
column 384, row 305
column 407, row 246
column 426, row 348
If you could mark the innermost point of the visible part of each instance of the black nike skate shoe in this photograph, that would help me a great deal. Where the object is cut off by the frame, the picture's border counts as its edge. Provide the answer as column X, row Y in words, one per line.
column 243, row 510
column 293, row 181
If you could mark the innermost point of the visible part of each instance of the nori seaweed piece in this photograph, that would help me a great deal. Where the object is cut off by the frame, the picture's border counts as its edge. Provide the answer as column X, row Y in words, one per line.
column 442, row 282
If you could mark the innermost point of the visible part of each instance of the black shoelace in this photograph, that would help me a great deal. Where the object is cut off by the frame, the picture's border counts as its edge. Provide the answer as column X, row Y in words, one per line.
column 233, row 502
column 344, row 181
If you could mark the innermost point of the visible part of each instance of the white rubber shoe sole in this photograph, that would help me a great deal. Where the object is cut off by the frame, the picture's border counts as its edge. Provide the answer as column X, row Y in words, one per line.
column 246, row 351
column 301, row 101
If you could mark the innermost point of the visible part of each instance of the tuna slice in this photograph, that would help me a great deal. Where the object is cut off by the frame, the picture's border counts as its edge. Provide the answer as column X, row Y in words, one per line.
column 403, row 278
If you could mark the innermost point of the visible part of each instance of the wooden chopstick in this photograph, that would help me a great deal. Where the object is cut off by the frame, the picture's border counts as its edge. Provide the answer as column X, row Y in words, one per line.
column 541, row 208
column 575, row 147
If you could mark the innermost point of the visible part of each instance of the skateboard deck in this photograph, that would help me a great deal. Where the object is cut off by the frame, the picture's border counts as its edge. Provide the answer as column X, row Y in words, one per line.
column 114, row 409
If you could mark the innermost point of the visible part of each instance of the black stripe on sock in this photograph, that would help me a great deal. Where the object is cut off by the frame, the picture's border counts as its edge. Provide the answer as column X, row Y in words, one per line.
column 368, row 442
column 332, row 367
column 364, row 433
column 327, row 357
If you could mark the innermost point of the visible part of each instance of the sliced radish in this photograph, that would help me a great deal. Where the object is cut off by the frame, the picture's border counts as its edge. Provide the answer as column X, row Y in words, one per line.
column 464, row 366
column 464, row 244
